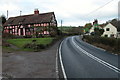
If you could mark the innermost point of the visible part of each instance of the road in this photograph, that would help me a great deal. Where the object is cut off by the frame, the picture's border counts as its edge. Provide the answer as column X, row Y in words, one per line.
column 81, row 60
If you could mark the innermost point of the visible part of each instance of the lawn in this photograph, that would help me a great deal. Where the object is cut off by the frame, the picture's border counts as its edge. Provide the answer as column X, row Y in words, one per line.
column 21, row 42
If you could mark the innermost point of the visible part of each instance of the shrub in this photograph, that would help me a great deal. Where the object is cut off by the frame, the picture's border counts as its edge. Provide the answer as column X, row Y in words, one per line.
column 34, row 46
column 6, row 44
column 27, row 36
column 8, row 36
column 98, row 32
column 40, row 46
column 34, row 40
column 112, row 42
column 28, row 45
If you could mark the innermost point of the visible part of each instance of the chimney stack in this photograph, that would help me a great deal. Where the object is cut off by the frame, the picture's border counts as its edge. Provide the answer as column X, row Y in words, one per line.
column 36, row 11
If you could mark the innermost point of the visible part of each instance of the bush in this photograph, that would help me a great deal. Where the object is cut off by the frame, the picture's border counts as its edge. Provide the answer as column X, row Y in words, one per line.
column 8, row 36
column 112, row 42
column 27, row 36
column 28, row 45
column 40, row 46
column 34, row 46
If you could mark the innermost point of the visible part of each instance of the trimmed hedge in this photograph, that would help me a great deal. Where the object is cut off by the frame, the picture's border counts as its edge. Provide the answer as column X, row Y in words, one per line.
column 112, row 42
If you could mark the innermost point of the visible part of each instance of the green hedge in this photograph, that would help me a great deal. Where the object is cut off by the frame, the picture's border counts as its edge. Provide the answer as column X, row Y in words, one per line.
column 112, row 42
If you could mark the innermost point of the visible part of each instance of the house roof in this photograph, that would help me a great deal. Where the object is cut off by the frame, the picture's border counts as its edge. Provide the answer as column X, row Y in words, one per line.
column 116, row 24
column 30, row 19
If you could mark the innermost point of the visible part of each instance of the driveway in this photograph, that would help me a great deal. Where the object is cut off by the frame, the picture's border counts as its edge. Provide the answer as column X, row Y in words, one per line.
column 30, row 64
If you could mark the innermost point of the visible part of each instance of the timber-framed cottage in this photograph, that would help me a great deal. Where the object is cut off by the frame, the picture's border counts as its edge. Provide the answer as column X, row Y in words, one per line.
column 27, row 25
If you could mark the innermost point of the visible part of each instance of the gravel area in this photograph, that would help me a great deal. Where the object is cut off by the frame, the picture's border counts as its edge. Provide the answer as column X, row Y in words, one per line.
column 30, row 64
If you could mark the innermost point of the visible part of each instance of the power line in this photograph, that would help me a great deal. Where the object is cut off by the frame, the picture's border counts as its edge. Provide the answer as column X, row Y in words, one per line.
column 99, row 8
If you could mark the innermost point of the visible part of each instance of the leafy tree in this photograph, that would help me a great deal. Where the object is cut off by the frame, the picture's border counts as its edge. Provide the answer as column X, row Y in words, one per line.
column 53, row 31
column 87, row 27
column 98, row 32
column 3, row 18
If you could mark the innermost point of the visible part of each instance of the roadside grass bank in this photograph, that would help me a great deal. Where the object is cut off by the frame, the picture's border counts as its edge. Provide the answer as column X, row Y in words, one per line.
column 29, row 44
column 109, row 44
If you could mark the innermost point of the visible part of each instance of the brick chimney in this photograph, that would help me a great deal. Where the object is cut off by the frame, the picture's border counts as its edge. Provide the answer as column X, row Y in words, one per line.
column 95, row 21
column 36, row 11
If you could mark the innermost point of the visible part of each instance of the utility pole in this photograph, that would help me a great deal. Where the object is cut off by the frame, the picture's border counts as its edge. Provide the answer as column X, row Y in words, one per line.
column 61, row 22
column 7, row 14
column 61, row 27
column 20, row 13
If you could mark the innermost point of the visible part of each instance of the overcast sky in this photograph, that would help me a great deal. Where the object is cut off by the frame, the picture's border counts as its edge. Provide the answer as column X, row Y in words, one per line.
column 72, row 12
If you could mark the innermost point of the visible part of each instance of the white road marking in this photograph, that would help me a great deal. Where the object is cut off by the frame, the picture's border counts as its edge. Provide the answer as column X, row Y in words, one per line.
column 57, row 76
column 97, row 59
column 0, row 78
column 61, row 62
column 116, row 54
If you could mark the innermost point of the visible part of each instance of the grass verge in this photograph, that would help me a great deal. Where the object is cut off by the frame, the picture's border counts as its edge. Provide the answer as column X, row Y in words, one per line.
column 20, row 43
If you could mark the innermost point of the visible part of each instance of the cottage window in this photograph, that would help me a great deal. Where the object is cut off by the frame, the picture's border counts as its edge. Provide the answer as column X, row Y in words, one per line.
column 41, row 24
column 107, row 29
column 112, row 35
column 106, row 35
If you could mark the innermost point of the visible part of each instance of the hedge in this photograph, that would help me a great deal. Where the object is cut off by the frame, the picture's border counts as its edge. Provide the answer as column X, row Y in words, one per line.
column 112, row 42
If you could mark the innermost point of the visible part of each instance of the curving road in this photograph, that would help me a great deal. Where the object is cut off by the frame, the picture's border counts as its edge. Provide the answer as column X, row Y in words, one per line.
column 81, row 60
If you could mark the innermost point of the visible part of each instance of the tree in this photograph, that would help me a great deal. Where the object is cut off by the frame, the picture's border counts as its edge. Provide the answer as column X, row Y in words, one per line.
column 87, row 27
column 98, row 32
column 53, row 31
column 3, row 18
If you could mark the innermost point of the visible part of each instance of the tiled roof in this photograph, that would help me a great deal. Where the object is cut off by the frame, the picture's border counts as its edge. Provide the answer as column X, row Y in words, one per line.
column 117, row 25
column 30, row 19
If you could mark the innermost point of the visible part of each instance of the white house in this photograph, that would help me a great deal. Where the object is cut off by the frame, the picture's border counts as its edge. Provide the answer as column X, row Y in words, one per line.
column 91, row 29
column 95, row 25
column 110, row 31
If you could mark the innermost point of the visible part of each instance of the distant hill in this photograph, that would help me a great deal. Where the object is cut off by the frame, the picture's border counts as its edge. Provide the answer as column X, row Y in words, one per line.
column 71, row 29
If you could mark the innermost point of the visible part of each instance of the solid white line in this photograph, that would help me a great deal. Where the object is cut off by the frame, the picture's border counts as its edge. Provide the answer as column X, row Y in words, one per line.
column 57, row 76
column 116, row 54
column 0, row 78
column 97, row 59
column 61, row 62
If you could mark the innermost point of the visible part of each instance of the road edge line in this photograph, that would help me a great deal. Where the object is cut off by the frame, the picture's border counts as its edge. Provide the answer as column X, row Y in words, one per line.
column 57, row 72
column 61, row 62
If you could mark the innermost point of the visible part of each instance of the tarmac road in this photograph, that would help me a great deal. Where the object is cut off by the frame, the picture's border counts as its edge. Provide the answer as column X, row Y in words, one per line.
column 79, row 59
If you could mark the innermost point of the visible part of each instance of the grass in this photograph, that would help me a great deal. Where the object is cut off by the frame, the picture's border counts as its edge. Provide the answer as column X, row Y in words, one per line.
column 21, row 42
column 7, row 49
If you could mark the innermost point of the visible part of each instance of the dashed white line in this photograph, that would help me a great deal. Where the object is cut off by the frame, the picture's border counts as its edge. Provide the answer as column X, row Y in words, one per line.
column 97, row 59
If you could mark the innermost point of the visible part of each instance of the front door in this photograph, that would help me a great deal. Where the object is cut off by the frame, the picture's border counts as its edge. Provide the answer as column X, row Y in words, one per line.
column 21, row 31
